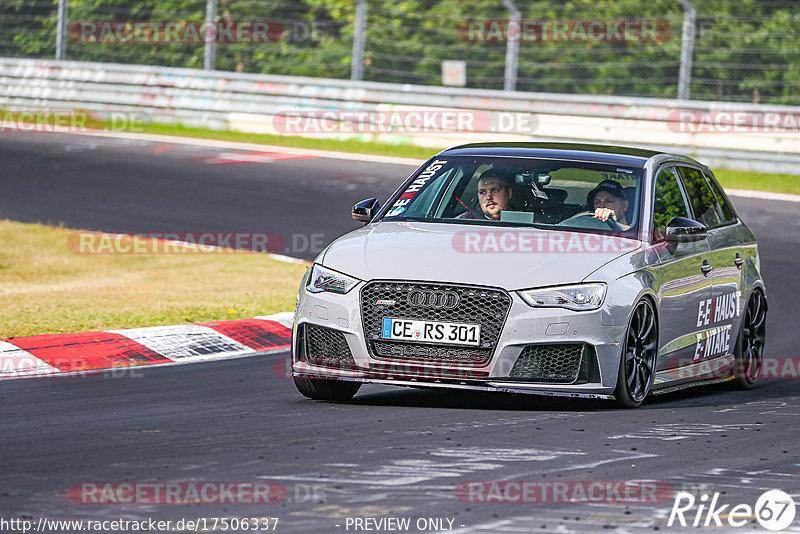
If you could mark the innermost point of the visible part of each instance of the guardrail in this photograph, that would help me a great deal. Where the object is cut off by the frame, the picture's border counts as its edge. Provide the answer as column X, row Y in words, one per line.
column 250, row 102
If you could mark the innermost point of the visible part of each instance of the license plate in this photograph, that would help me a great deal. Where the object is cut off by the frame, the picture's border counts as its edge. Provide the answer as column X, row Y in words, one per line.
column 413, row 330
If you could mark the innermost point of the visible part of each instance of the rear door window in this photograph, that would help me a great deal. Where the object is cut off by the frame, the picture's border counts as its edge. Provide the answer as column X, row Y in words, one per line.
column 728, row 215
column 669, row 202
column 701, row 198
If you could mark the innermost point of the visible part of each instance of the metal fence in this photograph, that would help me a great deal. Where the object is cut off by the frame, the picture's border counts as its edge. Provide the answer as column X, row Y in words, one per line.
column 724, row 50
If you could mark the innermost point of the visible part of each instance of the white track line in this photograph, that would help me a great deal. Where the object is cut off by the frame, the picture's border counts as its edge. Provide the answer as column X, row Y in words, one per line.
column 235, row 145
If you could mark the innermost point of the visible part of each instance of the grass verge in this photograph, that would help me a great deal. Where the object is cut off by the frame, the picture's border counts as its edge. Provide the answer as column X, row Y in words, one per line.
column 337, row 145
column 776, row 183
column 48, row 289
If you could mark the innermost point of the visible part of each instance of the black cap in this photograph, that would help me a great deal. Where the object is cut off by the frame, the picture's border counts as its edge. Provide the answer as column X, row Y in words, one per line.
column 609, row 186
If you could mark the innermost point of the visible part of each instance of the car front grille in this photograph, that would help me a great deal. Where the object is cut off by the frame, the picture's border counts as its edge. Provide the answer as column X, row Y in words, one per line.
column 326, row 347
column 476, row 305
column 549, row 363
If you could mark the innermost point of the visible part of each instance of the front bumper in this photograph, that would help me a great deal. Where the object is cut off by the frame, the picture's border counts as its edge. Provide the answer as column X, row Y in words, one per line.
column 524, row 326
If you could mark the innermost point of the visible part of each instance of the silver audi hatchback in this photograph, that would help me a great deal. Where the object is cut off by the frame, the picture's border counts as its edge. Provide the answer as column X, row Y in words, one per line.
column 554, row 269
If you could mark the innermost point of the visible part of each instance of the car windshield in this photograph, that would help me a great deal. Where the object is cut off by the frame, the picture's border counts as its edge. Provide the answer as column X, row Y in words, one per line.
column 522, row 192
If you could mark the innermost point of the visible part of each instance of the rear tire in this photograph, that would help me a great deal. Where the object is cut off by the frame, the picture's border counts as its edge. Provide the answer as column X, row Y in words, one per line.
column 749, row 350
column 329, row 390
column 638, row 357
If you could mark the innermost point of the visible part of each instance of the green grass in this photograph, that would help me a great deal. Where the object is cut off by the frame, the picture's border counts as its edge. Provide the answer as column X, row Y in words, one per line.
column 778, row 183
column 49, row 288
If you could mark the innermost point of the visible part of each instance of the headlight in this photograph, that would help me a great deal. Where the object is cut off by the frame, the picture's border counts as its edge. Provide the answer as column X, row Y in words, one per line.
column 579, row 297
column 323, row 279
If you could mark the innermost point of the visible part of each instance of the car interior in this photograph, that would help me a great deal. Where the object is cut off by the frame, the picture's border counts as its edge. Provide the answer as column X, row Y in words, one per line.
column 558, row 199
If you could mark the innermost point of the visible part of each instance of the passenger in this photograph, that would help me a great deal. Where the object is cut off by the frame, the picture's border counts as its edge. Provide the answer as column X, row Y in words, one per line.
column 494, row 194
column 608, row 200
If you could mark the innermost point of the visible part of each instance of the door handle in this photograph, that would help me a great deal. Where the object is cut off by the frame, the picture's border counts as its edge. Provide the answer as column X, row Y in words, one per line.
column 706, row 268
column 739, row 261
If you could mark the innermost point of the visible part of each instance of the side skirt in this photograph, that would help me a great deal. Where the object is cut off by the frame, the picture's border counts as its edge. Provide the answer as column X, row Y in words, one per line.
column 695, row 374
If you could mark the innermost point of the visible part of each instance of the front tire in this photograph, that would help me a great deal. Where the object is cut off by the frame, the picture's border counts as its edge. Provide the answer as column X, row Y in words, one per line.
column 329, row 390
column 749, row 350
column 638, row 357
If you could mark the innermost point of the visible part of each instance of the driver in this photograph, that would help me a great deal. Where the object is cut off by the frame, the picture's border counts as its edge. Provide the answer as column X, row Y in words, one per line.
column 608, row 200
column 494, row 194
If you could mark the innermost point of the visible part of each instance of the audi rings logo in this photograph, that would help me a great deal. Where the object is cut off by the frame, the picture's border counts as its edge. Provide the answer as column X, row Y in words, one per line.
column 439, row 300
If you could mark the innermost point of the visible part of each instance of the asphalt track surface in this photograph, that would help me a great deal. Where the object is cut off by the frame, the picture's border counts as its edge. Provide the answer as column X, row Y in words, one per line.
column 390, row 452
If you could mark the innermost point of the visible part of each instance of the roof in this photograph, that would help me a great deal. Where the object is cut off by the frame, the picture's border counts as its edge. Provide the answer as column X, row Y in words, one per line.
column 573, row 151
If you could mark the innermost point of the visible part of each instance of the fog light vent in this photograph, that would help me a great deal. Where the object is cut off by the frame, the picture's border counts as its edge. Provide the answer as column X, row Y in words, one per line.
column 549, row 363
column 326, row 347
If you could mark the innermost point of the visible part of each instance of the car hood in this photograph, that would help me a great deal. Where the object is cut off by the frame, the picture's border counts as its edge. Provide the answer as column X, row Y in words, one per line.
column 512, row 258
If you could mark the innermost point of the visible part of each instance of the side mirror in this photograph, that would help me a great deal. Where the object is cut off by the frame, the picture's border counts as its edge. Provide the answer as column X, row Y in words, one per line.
column 683, row 230
column 365, row 210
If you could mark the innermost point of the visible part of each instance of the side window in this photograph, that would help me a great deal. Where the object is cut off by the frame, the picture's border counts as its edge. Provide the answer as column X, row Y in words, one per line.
column 668, row 203
column 727, row 210
column 704, row 205
column 427, row 196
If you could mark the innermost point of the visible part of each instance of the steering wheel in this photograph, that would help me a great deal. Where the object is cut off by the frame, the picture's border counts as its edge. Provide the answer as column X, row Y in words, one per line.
column 610, row 222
